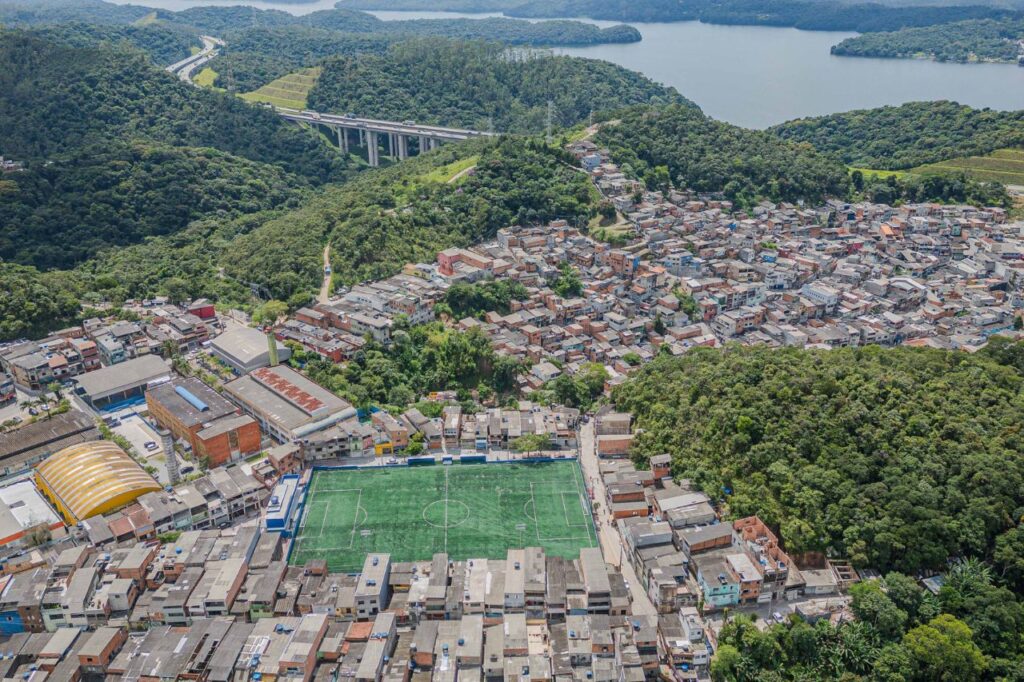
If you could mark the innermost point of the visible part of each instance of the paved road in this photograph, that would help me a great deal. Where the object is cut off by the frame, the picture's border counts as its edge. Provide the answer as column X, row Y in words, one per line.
column 186, row 67
column 611, row 541
column 325, row 288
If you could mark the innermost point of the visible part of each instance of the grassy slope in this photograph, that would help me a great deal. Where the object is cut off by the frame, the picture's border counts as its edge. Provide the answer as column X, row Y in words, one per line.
column 1003, row 165
column 287, row 91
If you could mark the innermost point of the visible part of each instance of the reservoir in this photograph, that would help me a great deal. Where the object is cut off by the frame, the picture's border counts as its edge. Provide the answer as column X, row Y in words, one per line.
column 757, row 76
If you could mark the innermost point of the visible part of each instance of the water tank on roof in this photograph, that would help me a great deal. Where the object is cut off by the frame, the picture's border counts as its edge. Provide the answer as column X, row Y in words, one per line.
column 191, row 398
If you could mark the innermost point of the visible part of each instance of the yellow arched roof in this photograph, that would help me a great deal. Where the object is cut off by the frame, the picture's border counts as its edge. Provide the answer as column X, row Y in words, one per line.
column 93, row 478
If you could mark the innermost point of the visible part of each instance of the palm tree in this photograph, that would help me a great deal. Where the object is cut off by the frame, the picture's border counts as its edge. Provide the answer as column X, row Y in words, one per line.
column 54, row 387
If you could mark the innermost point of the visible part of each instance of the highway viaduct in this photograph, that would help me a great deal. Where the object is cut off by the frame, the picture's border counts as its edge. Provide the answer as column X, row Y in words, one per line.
column 373, row 133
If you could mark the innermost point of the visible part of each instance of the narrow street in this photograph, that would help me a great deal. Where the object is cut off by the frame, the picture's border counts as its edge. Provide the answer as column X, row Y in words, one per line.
column 611, row 542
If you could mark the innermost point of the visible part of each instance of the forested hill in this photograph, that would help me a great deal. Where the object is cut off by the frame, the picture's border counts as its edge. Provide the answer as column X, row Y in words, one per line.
column 809, row 15
column 909, row 135
column 960, row 41
column 478, row 85
column 895, row 458
column 381, row 220
column 57, row 99
column 227, row 21
column 682, row 145
column 905, row 461
column 114, row 194
column 164, row 43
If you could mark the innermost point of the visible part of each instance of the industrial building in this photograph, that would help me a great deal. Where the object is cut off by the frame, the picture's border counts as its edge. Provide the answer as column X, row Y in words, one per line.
column 91, row 478
column 246, row 349
column 286, row 404
column 23, row 448
column 22, row 512
column 124, row 381
column 210, row 424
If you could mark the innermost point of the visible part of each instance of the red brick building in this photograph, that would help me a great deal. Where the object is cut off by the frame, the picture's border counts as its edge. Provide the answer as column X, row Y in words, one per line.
column 210, row 424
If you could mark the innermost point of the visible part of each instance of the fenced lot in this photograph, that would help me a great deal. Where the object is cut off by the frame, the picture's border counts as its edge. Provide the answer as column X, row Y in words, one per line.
column 466, row 510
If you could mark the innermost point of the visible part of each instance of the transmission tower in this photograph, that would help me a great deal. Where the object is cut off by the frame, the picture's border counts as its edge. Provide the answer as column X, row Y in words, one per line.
column 551, row 120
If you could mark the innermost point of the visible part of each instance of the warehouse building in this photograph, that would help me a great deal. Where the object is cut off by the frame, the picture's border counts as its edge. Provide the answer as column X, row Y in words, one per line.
column 21, row 449
column 92, row 478
column 246, row 349
column 209, row 423
column 23, row 511
column 287, row 405
column 130, row 379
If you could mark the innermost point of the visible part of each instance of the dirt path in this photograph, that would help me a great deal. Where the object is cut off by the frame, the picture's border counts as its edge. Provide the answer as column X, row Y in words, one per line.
column 325, row 288
column 460, row 174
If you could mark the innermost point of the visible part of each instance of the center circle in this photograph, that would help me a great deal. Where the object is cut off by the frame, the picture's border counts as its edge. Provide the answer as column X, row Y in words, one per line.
column 446, row 513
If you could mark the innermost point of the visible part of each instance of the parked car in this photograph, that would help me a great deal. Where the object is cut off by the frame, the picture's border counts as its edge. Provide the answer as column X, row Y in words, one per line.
column 187, row 470
column 33, row 411
column 149, row 445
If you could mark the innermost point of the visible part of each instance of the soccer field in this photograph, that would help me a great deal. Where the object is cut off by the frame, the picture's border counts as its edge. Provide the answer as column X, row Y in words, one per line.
column 466, row 510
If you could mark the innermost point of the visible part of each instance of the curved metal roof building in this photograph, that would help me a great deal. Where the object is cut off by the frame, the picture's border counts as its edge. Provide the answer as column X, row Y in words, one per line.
column 91, row 478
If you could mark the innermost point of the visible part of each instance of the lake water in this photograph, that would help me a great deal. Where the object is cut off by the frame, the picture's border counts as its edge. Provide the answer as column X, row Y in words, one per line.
column 757, row 76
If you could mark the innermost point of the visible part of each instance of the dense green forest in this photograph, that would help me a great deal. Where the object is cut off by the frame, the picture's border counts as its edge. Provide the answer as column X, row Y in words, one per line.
column 164, row 43
column 894, row 458
column 961, row 41
column 969, row 632
column 55, row 215
column 683, row 145
column 253, row 58
column 493, row 91
column 829, row 15
column 909, row 135
column 56, row 100
column 33, row 303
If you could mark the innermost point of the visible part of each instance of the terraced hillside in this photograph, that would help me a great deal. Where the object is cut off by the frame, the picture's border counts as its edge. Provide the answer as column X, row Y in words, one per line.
column 287, row 91
column 1003, row 165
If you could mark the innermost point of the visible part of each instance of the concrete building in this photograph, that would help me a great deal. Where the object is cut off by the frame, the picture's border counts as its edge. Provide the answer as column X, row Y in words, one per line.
column 208, row 422
column 287, row 405
column 24, row 512
column 127, row 380
column 246, row 349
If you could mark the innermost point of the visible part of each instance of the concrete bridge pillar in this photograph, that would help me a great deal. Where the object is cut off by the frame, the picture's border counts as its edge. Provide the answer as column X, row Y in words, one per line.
column 342, row 139
column 423, row 145
column 362, row 137
column 372, row 151
column 403, row 147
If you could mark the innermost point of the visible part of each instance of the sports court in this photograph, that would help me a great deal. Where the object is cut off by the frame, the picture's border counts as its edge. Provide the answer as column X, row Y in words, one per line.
column 466, row 510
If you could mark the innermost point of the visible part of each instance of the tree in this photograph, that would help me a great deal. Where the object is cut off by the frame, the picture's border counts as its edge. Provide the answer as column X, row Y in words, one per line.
column 270, row 312
column 905, row 593
column 176, row 290
column 727, row 664
column 1009, row 557
column 531, row 442
column 942, row 650
column 871, row 605
column 568, row 284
